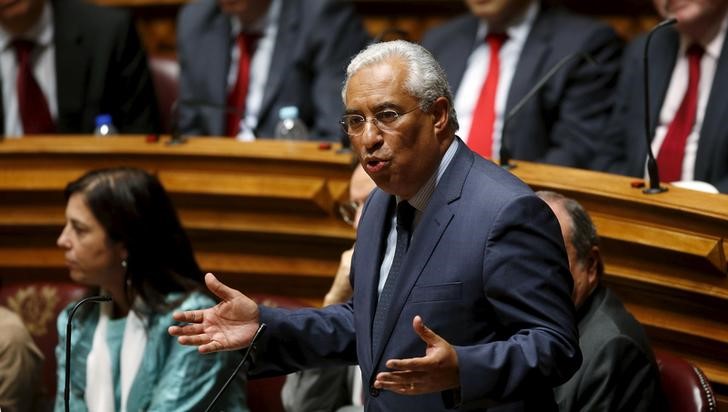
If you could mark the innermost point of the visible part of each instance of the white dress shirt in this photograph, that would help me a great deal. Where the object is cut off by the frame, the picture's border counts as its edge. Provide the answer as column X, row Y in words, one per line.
column 676, row 92
column 468, row 92
column 259, row 65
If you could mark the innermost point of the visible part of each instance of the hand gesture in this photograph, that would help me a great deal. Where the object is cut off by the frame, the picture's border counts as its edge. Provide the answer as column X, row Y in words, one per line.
column 435, row 372
column 229, row 325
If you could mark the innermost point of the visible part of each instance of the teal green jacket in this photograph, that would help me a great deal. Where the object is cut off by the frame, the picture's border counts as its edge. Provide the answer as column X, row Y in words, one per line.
column 171, row 377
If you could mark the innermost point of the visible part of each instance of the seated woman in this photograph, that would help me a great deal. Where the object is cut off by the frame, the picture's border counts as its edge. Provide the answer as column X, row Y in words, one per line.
column 123, row 237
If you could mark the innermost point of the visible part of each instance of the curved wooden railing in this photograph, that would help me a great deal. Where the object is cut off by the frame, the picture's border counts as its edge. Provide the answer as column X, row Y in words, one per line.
column 262, row 215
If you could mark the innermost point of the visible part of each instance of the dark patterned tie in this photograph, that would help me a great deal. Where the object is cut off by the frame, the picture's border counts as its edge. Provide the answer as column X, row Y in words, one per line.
column 32, row 105
column 405, row 217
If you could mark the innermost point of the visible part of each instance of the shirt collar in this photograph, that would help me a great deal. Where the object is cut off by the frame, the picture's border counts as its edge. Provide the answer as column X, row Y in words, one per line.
column 714, row 46
column 41, row 33
column 260, row 25
column 520, row 27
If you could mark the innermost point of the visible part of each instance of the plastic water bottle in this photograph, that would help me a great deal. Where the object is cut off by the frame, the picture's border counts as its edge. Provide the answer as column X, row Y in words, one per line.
column 290, row 126
column 104, row 127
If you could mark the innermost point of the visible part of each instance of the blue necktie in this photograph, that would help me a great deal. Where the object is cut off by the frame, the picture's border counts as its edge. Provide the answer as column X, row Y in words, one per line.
column 405, row 217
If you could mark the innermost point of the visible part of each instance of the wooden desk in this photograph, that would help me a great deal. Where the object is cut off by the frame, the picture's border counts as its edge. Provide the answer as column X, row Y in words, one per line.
column 262, row 215
column 665, row 256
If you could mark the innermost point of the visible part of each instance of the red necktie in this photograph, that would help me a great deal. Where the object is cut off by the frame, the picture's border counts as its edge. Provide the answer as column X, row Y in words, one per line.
column 672, row 151
column 481, row 130
column 32, row 104
column 236, row 98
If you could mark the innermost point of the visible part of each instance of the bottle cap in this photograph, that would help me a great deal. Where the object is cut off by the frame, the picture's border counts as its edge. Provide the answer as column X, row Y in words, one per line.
column 288, row 112
column 103, row 119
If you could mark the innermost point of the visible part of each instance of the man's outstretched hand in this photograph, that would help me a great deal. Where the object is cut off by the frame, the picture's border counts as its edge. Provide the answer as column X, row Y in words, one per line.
column 229, row 325
column 435, row 372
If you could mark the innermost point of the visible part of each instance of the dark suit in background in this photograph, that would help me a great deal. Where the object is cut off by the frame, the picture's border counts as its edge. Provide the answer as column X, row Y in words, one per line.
column 625, row 147
column 100, row 68
column 315, row 41
column 619, row 371
column 562, row 122
column 486, row 269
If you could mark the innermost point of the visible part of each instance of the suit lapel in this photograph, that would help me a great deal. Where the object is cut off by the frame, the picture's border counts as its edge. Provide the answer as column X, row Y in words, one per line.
column 370, row 251
column 214, row 46
column 72, row 68
column 454, row 59
column 662, row 58
column 530, row 66
column 427, row 235
column 288, row 32
column 713, row 132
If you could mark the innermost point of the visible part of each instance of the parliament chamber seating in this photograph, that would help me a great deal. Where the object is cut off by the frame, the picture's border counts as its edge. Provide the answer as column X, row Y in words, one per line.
column 684, row 384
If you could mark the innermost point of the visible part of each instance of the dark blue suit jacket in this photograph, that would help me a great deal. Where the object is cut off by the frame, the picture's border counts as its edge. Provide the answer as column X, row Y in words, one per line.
column 625, row 146
column 315, row 41
column 561, row 123
column 486, row 270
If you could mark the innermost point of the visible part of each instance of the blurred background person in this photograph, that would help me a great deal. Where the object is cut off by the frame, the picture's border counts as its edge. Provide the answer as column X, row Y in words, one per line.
column 255, row 57
column 687, row 99
column 64, row 62
column 618, row 371
column 497, row 53
column 20, row 365
column 123, row 237
column 337, row 388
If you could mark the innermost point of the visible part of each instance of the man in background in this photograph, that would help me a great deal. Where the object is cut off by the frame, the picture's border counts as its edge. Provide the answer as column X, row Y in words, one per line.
column 688, row 107
column 618, row 371
column 20, row 365
column 496, row 54
column 243, row 60
column 64, row 62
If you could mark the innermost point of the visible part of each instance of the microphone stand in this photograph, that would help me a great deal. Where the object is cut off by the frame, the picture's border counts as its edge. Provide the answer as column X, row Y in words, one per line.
column 66, row 389
column 653, row 174
column 504, row 153
column 176, row 137
column 261, row 328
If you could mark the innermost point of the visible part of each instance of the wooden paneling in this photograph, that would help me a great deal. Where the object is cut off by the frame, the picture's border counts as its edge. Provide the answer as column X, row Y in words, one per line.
column 262, row 214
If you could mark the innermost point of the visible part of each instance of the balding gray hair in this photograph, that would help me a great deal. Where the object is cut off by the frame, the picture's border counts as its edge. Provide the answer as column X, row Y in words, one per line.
column 583, row 232
column 426, row 81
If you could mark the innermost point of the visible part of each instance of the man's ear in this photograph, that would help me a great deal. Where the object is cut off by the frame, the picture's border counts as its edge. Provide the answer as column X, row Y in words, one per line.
column 595, row 266
column 440, row 112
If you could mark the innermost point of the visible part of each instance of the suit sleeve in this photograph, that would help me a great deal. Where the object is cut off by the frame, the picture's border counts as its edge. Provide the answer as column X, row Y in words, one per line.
column 528, row 285
column 619, row 377
column 585, row 101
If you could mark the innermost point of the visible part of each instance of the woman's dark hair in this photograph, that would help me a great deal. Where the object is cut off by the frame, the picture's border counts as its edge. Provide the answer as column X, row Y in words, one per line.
column 135, row 210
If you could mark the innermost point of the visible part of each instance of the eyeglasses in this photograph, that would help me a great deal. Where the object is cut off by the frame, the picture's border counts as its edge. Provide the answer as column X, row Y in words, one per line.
column 347, row 211
column 353, row 124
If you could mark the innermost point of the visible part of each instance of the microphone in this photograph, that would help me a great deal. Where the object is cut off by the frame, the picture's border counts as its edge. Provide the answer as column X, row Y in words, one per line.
column 66, row 389
column 653, row 174
column 176, row 133
column 504, row 153
column 261, row 328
